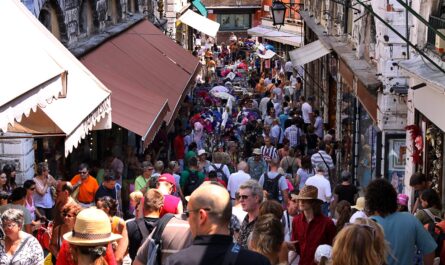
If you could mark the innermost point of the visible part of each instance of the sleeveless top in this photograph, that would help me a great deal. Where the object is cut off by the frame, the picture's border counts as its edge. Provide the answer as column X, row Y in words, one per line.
column 31, row 208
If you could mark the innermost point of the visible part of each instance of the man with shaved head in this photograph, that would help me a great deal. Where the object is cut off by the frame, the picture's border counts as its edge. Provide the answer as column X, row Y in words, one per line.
column 238, row 178
column 209, row 212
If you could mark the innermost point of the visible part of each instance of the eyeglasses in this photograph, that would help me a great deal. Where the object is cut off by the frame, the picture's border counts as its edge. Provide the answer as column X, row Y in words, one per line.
column 244, row 197
column 68, row 215
column 83, row 172
column 187, row 213
column 10, row 225
column 371, row 229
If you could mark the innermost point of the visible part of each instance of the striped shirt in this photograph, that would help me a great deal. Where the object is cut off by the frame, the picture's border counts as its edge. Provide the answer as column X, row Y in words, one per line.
column 293, row 134
column 269, row 152
column 317, row 159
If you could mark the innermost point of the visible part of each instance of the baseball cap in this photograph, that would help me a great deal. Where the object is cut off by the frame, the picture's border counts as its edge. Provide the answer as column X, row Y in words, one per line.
column 166, row 177
column 402, row 199
column 201, row 152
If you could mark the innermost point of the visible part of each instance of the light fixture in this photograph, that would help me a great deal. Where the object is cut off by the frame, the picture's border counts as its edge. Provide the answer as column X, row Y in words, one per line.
column 278, row 13
column 418, row 86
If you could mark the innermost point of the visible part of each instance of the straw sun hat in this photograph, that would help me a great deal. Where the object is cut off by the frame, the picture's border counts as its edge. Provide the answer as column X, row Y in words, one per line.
column 308, row 192
column 92, row 228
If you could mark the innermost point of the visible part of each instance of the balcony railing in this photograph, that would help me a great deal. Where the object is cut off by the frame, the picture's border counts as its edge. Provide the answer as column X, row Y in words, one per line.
column 436, row 23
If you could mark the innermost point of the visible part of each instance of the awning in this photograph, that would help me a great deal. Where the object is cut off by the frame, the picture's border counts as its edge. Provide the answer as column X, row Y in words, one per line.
column 31, row 75
column 267, row 55
column 424, row 70
column 145, row 70
column 275, row 35
column 200, row 7
column 200, row 23
column 87, row 103
column 429, row 100
column 308, row 53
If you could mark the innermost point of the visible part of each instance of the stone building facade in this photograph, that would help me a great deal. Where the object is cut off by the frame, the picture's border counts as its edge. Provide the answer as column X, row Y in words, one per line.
column 364, row 85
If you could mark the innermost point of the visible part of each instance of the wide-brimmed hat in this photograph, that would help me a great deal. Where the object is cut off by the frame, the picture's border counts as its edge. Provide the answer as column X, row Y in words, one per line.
column 256, row 151
column 92, row 228
column 308, row 192
column 359, row 204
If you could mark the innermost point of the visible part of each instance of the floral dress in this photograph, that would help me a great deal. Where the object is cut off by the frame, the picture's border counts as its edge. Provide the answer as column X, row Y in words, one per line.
column 28, row 253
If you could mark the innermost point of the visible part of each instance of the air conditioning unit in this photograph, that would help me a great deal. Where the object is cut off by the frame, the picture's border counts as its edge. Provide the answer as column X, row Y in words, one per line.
column 440, row 43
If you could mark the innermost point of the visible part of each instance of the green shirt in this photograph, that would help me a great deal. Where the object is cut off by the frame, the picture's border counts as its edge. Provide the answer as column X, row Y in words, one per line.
column 140, row 182
column 186, row 173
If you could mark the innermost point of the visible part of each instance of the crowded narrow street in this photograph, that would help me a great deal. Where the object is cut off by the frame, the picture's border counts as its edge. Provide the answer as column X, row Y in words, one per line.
column 222, row 132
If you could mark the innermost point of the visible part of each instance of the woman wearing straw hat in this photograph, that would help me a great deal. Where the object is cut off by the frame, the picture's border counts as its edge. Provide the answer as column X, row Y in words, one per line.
column 90, row 237
column 311, row 228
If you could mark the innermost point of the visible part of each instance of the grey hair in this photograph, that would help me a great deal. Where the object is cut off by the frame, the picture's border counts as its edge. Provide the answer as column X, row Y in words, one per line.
column 13, row 215
column 254, row 186
column 243, row 166
column 321, row 167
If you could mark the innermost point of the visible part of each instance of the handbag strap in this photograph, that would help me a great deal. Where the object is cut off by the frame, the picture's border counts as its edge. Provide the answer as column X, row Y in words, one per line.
column 329, row 174
column 18, row 250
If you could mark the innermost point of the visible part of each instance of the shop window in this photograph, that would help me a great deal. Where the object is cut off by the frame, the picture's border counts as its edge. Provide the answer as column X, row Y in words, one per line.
column 234, row 22
column 433, row 155
column 86, row 18
column 51, row 16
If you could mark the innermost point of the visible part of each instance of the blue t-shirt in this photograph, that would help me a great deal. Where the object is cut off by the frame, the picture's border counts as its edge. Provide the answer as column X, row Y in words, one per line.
column 404, row 232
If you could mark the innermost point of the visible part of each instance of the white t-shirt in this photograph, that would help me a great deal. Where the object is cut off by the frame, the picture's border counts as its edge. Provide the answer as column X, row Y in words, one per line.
column 293, row 80
column 306, row 109
column 235, row 180
column 323, row 186
column 288, row 66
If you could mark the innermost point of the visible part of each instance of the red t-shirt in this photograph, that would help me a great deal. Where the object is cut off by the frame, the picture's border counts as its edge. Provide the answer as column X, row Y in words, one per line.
column 321, row 230
column 179, row 147
column 65, row 257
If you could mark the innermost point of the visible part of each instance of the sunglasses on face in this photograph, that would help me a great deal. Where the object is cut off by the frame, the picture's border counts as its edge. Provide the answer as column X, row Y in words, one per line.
column 186, row 214
column 83, row 172
column 244, row 197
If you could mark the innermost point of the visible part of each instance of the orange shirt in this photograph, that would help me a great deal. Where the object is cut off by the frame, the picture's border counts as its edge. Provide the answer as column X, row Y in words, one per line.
column 87, row 189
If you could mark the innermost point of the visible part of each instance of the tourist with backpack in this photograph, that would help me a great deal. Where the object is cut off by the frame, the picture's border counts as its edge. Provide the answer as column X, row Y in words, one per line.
column 431, row 211
column 191, row 178
column 222, row 171
column 402, row 230
column 209, row 214
column 139, row 228
column 170, row 235
column 275, row 184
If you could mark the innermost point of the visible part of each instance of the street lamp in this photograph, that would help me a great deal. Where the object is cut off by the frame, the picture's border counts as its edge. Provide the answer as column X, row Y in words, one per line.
column 278, row 13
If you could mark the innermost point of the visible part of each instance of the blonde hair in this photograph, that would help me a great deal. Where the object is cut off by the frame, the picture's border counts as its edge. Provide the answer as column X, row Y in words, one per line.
column 136, row 196
column 362, row 243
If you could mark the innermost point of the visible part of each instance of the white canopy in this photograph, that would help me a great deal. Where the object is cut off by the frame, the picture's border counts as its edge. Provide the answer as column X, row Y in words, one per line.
column 31, row 75
column 308, row 53
column 200, row 23
column 86, row 103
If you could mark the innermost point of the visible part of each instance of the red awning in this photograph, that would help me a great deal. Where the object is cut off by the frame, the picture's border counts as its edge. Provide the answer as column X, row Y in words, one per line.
column 145, row 70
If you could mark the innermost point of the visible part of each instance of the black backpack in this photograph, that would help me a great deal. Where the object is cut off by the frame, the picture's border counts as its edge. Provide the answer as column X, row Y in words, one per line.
column 192, row 183
column 219, row 172
column 155, row 241
column 271, row 186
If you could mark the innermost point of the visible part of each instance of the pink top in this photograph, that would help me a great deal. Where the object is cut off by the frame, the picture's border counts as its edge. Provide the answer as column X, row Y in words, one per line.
column 170, row 205
column 31, row 208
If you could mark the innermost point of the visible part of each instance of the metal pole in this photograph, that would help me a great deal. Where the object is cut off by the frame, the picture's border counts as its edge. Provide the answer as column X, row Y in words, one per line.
column 369, row 9
column 407, row 30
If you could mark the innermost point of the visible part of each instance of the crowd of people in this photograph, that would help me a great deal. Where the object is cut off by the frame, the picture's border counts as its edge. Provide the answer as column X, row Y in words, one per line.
column 251, row 180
